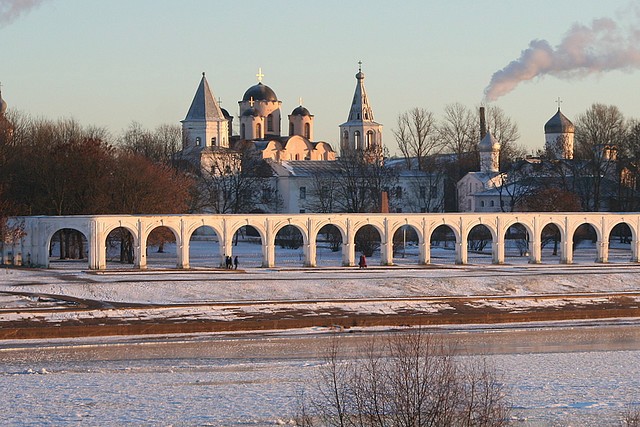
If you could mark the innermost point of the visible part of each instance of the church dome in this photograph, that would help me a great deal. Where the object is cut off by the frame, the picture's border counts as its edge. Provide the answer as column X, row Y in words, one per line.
column 225, row 113
column 300, row 111
column 260, row 92
column 488, row 144
column 559, row 124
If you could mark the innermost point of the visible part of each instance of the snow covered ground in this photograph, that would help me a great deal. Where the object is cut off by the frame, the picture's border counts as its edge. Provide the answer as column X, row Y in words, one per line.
column 579, row 378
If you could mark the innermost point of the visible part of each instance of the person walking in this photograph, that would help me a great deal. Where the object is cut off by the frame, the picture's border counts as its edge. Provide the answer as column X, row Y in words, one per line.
column 235, row 262
column 363, row 261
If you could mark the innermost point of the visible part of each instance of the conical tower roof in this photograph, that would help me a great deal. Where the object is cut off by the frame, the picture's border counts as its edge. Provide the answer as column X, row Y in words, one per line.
column 204, row 106
column 489, row 143
column 360, row 109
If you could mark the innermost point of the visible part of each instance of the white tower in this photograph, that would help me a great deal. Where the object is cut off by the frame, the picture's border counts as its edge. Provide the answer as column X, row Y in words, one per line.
column 558, row 133
column 204, row 125
column 259, row 112
column 360, row 131
column 489, row 149
column 301, row 122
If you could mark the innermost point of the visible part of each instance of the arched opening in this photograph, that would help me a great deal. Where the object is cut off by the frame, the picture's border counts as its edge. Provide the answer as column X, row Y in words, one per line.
column 479, row 245
column 329, row 246
column 370, row 140
column 247, row 246
column 307, row 130
column 204, row 249
column 288, row 246
column 120, row 248
column 550, row 240
column 290, row 128
column 516, row 244
column 161, row 248
column 270, row 123
column 620, row 240
column 356, row 140
column 367, row 241
column 67, row 245
column 443, row 245
column 405, row 245
column 258, row 131
column 585, row 239
column 242, row 131
column 345, row 139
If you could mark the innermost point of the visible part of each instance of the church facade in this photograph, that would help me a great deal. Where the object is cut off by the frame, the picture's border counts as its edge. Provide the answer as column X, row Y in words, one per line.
column 301, row 169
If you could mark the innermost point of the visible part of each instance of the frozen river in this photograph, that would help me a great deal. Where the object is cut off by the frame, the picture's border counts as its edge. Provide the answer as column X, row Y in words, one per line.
column 578, row 374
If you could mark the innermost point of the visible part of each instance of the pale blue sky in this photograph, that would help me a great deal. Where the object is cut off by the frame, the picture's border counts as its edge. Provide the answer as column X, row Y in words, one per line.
column 109, row 63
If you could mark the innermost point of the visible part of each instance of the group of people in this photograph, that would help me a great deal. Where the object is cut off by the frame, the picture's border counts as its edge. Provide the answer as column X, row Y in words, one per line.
column 231, row 263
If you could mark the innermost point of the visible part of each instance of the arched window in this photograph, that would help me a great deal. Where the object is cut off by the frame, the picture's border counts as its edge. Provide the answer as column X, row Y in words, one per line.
column 370, row 139
column 270, row 123
column 242, row 131
column 356, row 139
column 345, row 137
column 258, row 130
column 297, row 156
column 307, row 130
column 290, row 129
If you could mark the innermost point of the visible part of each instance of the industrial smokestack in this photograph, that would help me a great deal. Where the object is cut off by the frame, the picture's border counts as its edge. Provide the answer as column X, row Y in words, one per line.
column 602, row 46
column 483, row 124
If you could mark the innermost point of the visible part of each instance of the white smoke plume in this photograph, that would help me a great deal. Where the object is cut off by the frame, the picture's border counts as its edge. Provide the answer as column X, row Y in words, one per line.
column 602, row 46
column 10, row 10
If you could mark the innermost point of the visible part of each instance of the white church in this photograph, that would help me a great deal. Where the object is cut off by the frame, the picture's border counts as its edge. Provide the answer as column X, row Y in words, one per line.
column 296, row 159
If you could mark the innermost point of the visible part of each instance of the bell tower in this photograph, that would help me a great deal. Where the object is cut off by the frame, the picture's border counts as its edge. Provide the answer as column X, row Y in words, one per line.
column 360, row 132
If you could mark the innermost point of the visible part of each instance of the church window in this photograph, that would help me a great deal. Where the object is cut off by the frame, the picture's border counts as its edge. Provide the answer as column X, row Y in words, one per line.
column 303, row 192
column 213, row 141
column 258, row 130
column 198, row 140
column 356, row 139
column 297, row 156
column 423, row 192
column 242, row 131
column 482, row 204
column 266, row 194
column 302, row 211
column 290, row 129
column 358, row 116
column 370, row 139
column 345, row 137
column 270, row 123
column 307, row 130
column 398, row 192
column 366, row 116
column 492, row 203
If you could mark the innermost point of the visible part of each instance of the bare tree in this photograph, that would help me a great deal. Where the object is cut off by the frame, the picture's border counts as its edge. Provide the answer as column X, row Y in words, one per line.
column 160, row 145
column 599, row 131
column 459, row 131
column 416, row 136
column 410, row 380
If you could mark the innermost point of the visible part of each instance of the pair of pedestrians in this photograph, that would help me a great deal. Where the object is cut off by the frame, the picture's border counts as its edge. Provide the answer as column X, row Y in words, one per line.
column 231, row 263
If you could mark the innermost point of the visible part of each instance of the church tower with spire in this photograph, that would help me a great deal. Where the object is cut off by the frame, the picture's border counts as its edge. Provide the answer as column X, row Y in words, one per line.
column 360, row 132
column 205, row 126
column 558, row 134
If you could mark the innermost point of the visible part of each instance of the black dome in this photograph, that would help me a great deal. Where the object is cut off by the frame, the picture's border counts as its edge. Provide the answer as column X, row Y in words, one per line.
column 300, row 111
column 559, row 124
column 225, row 113
column 260, row 92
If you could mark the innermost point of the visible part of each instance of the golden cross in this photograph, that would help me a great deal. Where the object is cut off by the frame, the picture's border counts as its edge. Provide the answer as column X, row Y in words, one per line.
column 360, row 66
column 260, row 75
column 251, row 101
column 558, row 101
column 300, row 99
